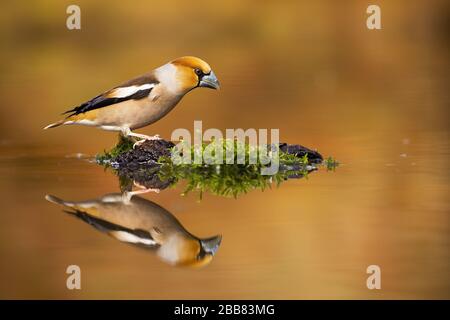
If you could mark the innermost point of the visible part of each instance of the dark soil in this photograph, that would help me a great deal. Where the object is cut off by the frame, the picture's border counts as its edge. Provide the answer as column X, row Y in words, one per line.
column 144, row 154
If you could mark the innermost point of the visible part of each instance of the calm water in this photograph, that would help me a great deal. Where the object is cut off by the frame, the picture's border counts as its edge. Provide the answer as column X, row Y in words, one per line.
column 309, row 238
column 377, row 101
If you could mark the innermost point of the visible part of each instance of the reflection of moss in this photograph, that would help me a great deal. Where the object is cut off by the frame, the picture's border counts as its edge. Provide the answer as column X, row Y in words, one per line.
column 224, row 180
column 140, row 165
column 330, row 163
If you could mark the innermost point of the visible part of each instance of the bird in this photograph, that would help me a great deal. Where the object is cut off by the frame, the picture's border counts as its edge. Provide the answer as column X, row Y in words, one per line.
column 143, row 223
column 143, row 100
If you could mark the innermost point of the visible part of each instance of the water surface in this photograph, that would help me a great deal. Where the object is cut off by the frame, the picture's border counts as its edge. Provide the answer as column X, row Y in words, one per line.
column 309, row 238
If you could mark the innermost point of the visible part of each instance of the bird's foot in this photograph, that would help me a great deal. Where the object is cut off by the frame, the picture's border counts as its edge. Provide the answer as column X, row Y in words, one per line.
column 155, row 137
column 127, row 195
column 138, row 143
column 142, row 187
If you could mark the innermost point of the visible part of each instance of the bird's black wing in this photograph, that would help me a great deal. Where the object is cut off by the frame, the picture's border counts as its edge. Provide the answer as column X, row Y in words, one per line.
column 134, row 89
column 137, row 237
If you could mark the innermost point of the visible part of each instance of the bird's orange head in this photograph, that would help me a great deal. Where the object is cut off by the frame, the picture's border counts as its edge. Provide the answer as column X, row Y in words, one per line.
column 193, row 72
column 188, row 250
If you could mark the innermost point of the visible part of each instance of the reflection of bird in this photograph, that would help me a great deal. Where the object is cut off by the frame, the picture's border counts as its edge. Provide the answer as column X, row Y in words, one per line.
column 145, row 224
column 143, row 100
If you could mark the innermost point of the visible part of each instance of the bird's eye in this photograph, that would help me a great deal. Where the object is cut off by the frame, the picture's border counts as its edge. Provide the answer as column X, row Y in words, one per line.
column 198, row 72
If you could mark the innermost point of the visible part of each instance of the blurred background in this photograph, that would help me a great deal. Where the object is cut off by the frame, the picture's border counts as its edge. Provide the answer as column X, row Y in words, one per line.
column 376, row 100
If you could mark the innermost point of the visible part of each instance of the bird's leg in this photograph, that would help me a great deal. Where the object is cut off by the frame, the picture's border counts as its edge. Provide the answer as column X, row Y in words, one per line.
column 127, row 132
column 127, row 195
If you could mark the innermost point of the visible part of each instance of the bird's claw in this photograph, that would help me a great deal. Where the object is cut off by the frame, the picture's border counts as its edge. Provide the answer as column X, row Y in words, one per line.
column 144, row 188
column 155, row 137
column 138, row 143
column 127, row 195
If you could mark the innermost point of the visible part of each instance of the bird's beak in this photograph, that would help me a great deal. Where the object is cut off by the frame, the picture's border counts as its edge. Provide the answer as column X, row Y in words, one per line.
column 211, row 245
column 209, row 81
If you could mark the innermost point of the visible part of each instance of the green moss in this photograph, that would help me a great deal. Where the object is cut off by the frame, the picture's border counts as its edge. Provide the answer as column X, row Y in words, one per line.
column 232, row 179
column 124, row 144
column 228, row 180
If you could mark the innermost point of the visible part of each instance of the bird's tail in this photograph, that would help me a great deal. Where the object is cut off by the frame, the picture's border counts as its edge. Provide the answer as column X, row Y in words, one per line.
column 55, row 200
column 88, row 207
column 60, row 201
column 56, row 124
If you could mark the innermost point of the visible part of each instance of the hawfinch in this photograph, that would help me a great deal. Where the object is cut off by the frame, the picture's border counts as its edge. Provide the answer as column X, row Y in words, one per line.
column 142, row 100
column 144, row 224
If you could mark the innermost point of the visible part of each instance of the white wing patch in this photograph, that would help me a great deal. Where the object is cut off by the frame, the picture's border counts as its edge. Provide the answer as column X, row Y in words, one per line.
column 131, row 238
column 128, row 91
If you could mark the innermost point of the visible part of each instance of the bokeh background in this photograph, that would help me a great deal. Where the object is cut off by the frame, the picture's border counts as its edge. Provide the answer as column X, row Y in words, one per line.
column 376, row 100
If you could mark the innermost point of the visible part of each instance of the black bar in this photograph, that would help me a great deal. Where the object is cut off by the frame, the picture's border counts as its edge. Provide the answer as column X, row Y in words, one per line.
column 225, row 309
